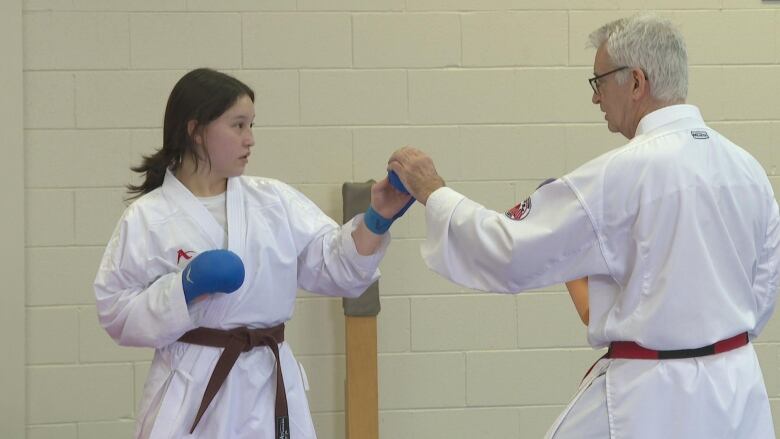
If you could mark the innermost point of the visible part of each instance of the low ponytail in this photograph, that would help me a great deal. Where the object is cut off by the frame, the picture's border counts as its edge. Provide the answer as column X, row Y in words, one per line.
column 153, row 166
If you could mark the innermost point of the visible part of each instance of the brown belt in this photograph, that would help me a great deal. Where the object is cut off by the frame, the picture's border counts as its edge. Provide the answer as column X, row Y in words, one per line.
column 236, row 341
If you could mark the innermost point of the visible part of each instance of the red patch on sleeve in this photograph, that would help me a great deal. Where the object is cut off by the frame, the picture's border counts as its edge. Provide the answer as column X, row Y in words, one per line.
column 520, row 211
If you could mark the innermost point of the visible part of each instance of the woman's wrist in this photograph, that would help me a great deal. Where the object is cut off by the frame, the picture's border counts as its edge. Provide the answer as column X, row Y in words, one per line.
column 375, row 222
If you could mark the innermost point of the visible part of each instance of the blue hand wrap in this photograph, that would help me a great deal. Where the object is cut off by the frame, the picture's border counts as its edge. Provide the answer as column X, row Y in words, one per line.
column 379, row 224
column 376, row 222
column 404, row 209
column 213, row 271
column 396, row 182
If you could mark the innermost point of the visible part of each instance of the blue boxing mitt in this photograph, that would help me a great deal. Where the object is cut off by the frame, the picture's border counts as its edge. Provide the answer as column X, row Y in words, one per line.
column 213, row 271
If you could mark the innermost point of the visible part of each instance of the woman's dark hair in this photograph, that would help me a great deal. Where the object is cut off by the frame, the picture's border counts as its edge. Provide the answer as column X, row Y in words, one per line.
column 201, row 95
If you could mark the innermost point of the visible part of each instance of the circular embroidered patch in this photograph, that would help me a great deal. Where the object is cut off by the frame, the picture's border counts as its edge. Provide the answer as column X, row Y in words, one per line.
column 520, row 211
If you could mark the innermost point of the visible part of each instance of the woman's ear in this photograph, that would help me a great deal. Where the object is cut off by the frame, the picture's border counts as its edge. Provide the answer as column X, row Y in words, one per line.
column 194, row 133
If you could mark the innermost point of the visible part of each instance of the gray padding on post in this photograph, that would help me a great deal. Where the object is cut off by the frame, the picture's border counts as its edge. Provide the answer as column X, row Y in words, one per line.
column 357, row 197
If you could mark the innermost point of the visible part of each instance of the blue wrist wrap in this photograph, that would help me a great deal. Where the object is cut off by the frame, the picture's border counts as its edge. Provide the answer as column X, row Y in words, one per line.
column 376, row 222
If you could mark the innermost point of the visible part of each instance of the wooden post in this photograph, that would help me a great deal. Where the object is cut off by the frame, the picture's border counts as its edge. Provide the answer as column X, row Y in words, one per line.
column 362, row 386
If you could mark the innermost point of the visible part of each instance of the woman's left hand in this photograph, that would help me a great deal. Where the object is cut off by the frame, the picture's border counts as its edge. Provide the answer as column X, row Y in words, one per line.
column 386, row 200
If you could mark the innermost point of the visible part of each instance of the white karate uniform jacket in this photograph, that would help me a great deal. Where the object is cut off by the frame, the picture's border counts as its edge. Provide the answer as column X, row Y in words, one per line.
column 678, row 234
column 285, row 241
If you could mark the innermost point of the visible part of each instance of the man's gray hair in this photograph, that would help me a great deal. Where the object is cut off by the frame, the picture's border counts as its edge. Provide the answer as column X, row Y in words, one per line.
column 652, row 44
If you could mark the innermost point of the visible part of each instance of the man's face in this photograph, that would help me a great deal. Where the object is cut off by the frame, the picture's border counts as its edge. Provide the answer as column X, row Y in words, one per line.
column 613, row 99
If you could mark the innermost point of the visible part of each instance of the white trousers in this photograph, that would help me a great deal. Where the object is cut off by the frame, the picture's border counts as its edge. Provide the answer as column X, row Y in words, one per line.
column 721, row 396
column 586, row 416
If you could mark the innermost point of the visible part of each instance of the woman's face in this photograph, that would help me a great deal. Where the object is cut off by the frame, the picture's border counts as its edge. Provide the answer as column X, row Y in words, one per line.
column 228, row 139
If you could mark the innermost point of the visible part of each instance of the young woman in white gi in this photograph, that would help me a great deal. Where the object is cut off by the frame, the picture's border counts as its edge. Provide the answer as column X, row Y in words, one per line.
column 677, row 232
column 204, row 267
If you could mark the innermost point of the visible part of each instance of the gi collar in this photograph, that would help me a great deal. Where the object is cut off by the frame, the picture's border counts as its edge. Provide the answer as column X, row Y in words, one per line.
column 667, row 115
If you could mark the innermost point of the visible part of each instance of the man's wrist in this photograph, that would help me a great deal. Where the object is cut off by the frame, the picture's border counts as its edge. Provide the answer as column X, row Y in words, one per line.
column 426, row 192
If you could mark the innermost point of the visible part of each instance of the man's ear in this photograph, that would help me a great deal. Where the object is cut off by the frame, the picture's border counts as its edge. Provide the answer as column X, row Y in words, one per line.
column 641, row 85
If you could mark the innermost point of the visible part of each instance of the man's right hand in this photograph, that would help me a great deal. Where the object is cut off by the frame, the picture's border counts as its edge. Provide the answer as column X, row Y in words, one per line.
column 416, row 171
column 213, row 271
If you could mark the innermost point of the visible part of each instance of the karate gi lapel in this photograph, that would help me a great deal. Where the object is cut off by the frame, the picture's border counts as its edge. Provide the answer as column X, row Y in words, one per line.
column 236, row 217
column 179, row 195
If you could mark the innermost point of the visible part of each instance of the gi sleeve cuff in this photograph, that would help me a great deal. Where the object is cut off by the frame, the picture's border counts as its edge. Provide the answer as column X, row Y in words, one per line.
column 368, row 264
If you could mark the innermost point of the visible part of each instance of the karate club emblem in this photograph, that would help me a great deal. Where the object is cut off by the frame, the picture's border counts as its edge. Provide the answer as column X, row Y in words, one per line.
column 520, row 211
column 182, row 254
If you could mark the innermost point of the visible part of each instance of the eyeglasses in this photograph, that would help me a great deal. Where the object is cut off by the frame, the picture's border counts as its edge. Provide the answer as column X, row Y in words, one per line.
column 594, row 81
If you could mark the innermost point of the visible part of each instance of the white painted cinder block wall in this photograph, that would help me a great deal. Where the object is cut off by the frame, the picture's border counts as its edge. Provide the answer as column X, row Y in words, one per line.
column 494, row 90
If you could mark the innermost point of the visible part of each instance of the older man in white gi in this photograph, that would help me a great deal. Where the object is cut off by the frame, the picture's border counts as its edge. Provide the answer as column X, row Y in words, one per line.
column 677, row 232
